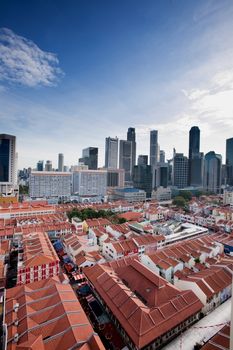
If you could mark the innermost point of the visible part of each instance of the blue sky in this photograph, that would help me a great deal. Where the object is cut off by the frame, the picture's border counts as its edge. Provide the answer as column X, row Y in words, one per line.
column 73, row 72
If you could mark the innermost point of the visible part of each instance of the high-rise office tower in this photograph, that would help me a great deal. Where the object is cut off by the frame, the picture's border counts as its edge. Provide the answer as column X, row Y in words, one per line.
column 162, row 156
column 195, row 174
column 212, row 172
column 40, row 165
column 229, row 161
column 196, row 164
column 170, row 172
column 224, row 174
column 131, row 136
column 115, row 177
column 8, row 164
column 180, row 170
column 142, row 159
column 48, row 165
column 142, row 178
column 194, row 141
column 125, row 159
column 60, row 162
column 163, row 174
column 111, row 152
column 90, row 158
column 154, row 147
column 154, row 155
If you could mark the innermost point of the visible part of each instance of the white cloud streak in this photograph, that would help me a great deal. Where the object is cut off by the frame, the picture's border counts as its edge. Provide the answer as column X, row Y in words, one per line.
column 23, row 62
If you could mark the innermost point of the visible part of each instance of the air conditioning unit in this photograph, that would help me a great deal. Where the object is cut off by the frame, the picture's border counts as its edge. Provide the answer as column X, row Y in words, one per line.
column 16, row 307
column 16, row 337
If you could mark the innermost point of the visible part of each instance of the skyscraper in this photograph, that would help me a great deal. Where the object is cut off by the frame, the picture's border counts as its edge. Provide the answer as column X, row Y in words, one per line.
column 194, row 141
column 212, row 172
column 115, row 177
column 40, row 165
column 125, row 159
column 111, row 152
column 197, row 167
column 90, row 158
column 229, row 161
column 131, row 136
column 154, row 147
column 142, row 178
column 163, row 172
column 48, row 165
column 60, row 162
column 8, row 164
column 154, row 155
column 180, row 170
column 162, row 156
column 142, row 159
column 195, row 174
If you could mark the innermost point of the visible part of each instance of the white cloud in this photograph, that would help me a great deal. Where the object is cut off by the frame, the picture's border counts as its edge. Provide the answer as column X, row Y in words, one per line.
column 23, row 62
column 214, row 104
column 195, row 94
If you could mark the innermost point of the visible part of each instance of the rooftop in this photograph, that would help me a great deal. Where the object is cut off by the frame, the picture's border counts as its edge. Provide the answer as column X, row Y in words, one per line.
column 46, row 315
column 145, row 304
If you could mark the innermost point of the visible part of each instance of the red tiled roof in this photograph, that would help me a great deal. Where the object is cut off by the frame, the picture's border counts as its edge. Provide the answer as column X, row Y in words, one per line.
column 130, row 215
column 145, row 304
column 49, row 318
column 37, row 250
column 220, row 341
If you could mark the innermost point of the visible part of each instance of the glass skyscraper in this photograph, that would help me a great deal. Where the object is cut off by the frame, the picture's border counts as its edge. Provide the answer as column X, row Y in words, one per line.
column 111, row 152
column 195, row 173
column 90, row 158
column 180, row 170
column 8, row 165
column 154, row 147
column 212, row 172
column 131, row 136
column 229, row 161
column 125, row 159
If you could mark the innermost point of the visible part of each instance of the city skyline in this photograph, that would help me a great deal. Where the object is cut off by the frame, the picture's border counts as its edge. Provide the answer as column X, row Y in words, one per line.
column 70, row 86
column 55, row 158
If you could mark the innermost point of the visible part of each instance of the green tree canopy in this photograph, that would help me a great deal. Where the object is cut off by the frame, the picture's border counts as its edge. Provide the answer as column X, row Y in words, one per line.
column 187, row 195
column 179, row 202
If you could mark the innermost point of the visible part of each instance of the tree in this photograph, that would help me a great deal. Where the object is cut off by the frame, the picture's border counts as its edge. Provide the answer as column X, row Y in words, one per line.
column 187, row 195
column 121, row 220
column 89, row 213
column 179, row 201
column 23, row 189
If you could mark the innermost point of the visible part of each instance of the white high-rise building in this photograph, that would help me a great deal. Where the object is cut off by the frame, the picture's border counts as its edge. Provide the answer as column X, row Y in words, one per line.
column 8, row 164
column 48, row 184
column 111, row 152
column 89, row 182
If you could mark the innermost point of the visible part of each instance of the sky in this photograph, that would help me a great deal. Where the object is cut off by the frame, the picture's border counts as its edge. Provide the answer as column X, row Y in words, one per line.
column 74, row 72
